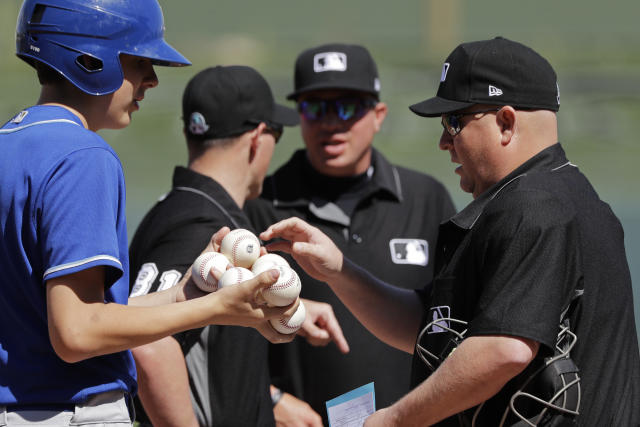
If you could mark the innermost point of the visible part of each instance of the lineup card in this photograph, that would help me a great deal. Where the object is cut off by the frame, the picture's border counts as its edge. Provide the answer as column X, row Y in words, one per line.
column 352, row 408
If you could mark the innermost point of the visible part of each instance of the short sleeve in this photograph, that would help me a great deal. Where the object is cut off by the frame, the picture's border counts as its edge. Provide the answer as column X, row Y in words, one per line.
column 80, row 213
column 529, row 264
column 162, row 265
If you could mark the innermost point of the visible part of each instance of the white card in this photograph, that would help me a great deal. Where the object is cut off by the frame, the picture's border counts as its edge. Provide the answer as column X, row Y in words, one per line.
column 352, row 408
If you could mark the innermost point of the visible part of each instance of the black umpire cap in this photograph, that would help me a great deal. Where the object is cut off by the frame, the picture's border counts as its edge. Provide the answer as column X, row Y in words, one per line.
column 336, row 66
column 221, row 102
column 497, row 72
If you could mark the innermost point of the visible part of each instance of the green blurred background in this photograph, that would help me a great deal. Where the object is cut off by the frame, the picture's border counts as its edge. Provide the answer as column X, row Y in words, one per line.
column 593, row 45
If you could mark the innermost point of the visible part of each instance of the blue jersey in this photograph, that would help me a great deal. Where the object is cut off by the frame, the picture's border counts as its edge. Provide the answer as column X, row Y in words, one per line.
column 62, row 210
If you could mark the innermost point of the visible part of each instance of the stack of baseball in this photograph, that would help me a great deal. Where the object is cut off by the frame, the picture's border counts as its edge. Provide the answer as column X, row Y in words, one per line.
column 239, row 260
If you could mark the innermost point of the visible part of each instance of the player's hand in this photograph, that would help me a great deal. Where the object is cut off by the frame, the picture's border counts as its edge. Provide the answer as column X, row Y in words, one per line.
column 186, row 289
column 321, row 326
column 239, row 305
column 293, row 412
column 310, row 247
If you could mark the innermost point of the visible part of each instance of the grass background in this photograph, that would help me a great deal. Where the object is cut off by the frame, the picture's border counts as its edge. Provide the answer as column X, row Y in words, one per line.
column 594, row 47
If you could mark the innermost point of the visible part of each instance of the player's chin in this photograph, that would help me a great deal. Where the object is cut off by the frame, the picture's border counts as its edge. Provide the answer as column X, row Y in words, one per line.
column 121, row 122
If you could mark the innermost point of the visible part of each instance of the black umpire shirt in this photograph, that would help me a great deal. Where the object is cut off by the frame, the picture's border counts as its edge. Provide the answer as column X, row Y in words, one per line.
column 228, row 370
column 514, row 259
column 387, row 221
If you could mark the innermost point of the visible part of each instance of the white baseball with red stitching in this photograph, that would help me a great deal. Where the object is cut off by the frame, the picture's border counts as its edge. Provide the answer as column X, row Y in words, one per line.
column 285, row 290
column 233, row 276
column 292, row 324
column 268, row 262
column 207, row 268
column 241, row 246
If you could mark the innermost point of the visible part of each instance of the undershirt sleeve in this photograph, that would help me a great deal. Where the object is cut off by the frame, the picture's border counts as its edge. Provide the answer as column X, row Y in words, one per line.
column 174, row 251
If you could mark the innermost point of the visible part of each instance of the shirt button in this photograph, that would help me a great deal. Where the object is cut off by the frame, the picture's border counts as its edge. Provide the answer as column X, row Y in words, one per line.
column 356, row 238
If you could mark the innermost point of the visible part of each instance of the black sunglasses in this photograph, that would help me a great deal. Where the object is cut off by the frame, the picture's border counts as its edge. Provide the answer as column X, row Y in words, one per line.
column 452, row 124
column 276, row 131
column 344, row 108
column 270, row 128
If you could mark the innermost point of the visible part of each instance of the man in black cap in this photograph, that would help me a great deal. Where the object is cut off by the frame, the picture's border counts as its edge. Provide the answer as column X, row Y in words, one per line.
column 231, row 124
column 383, row 216
column 529, row 320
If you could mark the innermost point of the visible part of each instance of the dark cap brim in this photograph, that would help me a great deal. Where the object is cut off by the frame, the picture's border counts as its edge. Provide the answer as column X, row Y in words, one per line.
column 285, row 116
column 436, row 106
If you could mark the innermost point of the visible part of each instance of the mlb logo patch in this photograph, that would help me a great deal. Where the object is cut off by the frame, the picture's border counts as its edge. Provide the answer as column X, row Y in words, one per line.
column 409, row 251
column 19, row 117
column 439, row 322
column 329, row 61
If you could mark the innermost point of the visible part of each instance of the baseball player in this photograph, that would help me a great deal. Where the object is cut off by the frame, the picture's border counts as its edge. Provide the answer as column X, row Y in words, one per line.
column 65, row 326
column 383, row 216
column 232, row 125
column 529, row 320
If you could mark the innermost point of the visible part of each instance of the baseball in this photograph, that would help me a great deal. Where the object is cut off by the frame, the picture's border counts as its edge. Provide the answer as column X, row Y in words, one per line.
column 268, row 262
column 292, row 324
column 233, row 276
column 207, row 268
column 285, row 290
column 241, row 246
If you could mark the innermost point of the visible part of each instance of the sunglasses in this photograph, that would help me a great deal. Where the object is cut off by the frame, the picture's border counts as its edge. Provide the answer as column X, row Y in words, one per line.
column 452, row 124
column 344, row 108
column 276, row 131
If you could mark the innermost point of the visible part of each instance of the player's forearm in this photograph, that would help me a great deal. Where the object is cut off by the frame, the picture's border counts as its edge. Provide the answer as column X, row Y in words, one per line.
column 163, row 383
column 155, row 298
column 390, row 313
column 477, row 370
column 89, row 330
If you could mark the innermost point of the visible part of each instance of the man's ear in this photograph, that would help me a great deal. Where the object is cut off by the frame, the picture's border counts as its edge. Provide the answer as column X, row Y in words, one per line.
column 506, row 119
column 380, row 111
column 255, row 140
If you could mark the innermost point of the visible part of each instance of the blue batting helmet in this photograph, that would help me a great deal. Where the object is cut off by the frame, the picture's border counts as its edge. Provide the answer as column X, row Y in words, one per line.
column 59, row 33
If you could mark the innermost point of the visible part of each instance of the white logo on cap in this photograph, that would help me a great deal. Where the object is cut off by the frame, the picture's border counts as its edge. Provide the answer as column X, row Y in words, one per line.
column 197, row 124
column 329, row 61
column 558, row 93
column 494, row 91
column 445, row 70
column 376, row 84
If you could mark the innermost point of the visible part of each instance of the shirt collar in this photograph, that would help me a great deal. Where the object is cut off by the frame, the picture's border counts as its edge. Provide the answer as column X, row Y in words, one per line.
column 38, row 113
column 185, row 177
column 549, row 159
column 295, row 192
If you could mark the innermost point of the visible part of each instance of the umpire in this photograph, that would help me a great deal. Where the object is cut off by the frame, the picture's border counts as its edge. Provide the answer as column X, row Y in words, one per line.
column 383, row 216
column 529, row 320
column 231, row 125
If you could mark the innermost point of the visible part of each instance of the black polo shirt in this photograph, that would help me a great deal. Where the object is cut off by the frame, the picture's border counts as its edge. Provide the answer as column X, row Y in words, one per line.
column 391, row 230
column 511, row 262
column 228, row 370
